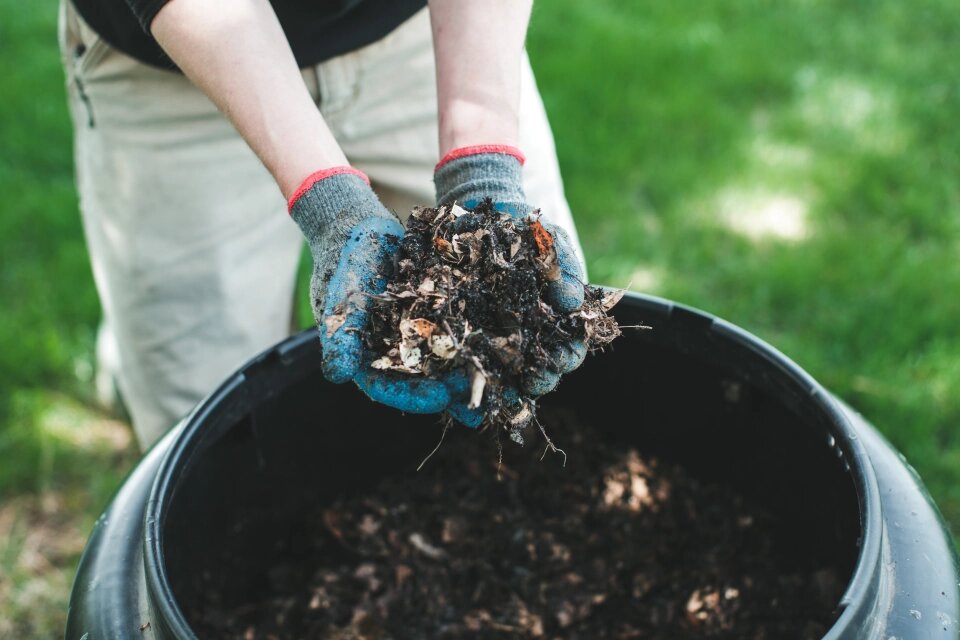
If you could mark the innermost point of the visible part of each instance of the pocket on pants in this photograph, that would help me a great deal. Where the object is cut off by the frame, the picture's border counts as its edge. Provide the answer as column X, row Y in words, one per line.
column 82, row 47
column 81, row 50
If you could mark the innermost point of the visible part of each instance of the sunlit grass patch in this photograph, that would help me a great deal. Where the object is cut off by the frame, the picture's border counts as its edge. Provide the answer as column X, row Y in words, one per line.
column 68, row 461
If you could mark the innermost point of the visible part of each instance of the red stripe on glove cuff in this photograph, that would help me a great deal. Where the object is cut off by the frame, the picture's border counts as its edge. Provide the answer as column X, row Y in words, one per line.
column 317, row 176
column 482, row 148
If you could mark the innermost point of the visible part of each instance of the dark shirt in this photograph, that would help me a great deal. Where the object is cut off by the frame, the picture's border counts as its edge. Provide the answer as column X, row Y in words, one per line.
column 316, row 29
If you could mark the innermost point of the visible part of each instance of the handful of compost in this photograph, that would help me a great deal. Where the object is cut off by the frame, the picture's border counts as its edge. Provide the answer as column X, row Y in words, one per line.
column 465, row 305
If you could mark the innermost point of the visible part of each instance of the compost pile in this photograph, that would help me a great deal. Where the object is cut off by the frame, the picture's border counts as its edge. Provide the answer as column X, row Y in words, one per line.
column 615, row 545
column 467, row 295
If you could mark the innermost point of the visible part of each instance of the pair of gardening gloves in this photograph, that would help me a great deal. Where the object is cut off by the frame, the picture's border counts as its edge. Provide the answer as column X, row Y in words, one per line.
column 353, row 239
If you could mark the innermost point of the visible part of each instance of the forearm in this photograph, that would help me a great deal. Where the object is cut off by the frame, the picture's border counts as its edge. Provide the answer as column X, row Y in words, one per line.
column 237, row 54
column 478, row 46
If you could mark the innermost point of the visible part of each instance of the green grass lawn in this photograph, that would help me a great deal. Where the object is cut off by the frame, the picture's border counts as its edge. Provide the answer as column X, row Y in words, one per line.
column 793, row 167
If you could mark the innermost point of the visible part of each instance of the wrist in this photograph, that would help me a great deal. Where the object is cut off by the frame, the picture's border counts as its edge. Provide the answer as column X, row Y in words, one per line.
column 478, row 149
column 470, row 174
column 291, row 166
column 330, row 203
column 318, row 176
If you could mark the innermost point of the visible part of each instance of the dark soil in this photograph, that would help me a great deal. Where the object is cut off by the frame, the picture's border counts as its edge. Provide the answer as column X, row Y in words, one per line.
column 468, row 294
column 614, row 545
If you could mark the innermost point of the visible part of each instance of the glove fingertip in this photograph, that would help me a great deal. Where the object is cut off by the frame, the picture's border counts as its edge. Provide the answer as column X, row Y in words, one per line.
column 341, row 356
column 470, row 418
column 540, row 383
column 359, row 272
column 566, row 294
column 408, row 395
column 566, row 358
column 576, row 353
column 342, row 346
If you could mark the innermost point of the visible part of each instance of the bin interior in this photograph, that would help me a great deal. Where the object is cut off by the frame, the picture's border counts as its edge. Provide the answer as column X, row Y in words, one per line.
column 682, row 391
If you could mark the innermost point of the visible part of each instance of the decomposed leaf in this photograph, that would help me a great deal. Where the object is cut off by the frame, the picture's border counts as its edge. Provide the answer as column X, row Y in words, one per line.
column 417, row 328
column 410, row 356
column 443, row 346
column 548, row 265
column 442, row 245
column 507, row 349
column 423, row 327
column 426, row 214
column 541, row 237
column 427, row 286
column 334, row 321
column 406, row 328
column 499, row 260
column 460, row 244
column 382, row 363
column 611, row 299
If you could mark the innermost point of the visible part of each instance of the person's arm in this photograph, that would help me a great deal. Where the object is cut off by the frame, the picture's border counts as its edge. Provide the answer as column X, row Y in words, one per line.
column 237, row 54
column 478, row 45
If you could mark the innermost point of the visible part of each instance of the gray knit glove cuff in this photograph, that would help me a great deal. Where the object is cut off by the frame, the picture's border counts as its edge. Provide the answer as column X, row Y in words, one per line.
column 327, row 207
column 470, row 174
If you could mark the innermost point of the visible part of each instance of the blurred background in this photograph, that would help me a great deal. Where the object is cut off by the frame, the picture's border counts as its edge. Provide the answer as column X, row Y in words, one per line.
column 793, row 167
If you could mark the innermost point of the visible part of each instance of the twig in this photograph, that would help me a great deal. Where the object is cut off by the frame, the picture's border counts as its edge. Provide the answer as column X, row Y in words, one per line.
column 453, row 336
column 550, row 446
column 446, row 425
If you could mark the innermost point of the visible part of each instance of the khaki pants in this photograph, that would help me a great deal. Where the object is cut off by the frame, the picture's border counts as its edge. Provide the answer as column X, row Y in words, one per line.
column 193, row 252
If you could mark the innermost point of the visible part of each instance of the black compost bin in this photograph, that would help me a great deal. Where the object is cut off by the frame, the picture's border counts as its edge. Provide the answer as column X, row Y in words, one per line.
column 276, row 436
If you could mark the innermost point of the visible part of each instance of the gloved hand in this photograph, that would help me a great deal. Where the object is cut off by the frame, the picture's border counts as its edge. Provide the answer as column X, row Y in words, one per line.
column 470, row 174
column 353, row 239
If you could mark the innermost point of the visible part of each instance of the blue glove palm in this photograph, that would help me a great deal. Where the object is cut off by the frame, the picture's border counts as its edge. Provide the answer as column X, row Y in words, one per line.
column 372, row 244
column 353, row 240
